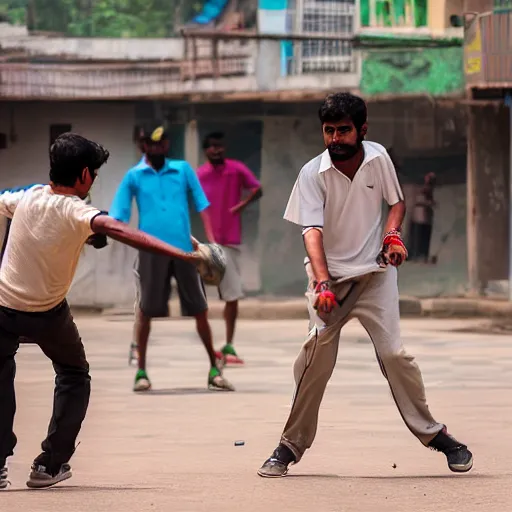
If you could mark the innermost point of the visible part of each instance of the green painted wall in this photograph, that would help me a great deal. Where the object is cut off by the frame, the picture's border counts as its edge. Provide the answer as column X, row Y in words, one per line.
column 435, row 71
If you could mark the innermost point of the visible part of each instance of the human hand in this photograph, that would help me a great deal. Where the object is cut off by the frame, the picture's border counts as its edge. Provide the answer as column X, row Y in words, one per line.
column 326, row 299
column 98, row 241
column 195, row 242
column 393, row 250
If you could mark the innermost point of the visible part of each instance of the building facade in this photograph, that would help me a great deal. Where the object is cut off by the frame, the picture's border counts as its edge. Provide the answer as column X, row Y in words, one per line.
column 262, row 88
column 488, row 70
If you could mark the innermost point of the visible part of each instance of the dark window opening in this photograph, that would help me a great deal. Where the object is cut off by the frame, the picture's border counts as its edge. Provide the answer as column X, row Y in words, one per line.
column 58, row 129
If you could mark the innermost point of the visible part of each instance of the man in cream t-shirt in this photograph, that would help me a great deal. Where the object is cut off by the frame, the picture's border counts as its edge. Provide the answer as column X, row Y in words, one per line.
column 49, row 226
column 337, row 201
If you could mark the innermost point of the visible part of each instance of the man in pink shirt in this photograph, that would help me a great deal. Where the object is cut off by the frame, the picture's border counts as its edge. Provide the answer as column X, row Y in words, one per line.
column 224, row 181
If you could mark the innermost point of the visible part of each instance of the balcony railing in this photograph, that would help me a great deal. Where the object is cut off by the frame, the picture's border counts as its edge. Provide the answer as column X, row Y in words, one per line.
column 211, row 63
column 488, row 50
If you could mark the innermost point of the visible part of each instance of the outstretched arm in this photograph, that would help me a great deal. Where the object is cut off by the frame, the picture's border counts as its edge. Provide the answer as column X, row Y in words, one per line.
column 9, row 199
column 138, row 239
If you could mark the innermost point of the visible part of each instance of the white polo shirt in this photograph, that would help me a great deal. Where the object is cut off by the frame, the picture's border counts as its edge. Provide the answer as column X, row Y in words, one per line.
column 348, row 211
column 47, row 234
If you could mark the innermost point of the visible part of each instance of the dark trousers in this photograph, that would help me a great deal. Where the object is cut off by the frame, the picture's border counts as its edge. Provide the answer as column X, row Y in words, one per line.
column 419, row 245
column 56, row 334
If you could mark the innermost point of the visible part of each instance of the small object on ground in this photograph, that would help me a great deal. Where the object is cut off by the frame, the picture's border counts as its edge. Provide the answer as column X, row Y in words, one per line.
column 394, row 466
column 239, row 443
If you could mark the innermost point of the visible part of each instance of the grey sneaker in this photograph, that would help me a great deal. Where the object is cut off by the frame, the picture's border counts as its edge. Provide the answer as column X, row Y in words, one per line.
column 4, row 482
column 216, row 382
column 277, row 465
column 40, row 477
column 460, row 459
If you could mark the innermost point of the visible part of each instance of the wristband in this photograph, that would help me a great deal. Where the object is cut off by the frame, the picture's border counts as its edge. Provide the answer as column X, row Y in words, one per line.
column 322, row 286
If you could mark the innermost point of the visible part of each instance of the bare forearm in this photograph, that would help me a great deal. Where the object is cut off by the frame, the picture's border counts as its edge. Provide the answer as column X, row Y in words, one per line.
column 395, row 217
column 135, row 238
column 208, row 231
column 313, row 241
column 253, row 195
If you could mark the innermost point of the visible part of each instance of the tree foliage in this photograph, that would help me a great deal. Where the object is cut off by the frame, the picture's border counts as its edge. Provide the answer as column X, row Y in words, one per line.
column 102, row 18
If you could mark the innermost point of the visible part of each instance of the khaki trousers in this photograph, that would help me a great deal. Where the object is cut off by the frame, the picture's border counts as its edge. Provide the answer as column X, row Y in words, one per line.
column 373, row 300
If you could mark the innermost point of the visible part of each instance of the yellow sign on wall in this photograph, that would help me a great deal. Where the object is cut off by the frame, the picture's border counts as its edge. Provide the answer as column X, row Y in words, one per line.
column 473, row 53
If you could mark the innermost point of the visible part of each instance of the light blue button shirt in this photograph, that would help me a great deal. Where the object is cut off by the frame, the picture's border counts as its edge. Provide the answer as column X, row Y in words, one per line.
column 162, row 200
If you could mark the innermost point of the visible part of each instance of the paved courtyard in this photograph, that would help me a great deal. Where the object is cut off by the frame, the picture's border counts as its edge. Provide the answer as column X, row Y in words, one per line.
column 173, row 449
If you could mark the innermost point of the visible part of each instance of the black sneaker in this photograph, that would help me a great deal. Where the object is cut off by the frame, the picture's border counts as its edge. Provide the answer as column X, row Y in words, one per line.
column 4, row 482
column 460, row 459
column 41, row 477
column 277, row 465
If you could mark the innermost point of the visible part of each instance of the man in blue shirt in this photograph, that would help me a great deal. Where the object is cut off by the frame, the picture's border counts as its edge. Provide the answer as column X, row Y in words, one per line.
column 161, row 188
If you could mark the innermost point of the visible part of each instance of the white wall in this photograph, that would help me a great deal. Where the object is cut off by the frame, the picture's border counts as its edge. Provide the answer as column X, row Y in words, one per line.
column 104, row 277
column 131, row 49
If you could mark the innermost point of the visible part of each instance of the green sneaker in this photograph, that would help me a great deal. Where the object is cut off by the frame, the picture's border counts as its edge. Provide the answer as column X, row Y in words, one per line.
column 142, row 382
column 230, row 355
column 216, row 382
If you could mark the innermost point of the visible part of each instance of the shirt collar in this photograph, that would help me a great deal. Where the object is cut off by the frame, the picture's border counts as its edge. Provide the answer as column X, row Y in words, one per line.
column 369, row 154
column 325, row 162
column 143, row 166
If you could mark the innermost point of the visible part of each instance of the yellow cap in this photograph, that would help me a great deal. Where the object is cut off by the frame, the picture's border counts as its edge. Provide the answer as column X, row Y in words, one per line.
column 156, row 136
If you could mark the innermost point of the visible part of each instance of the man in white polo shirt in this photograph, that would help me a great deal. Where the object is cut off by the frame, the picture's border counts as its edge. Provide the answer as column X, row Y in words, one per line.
column 337, row 200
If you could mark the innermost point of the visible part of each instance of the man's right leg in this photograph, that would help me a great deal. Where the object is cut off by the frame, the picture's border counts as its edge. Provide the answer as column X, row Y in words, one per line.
column 153, row 276
column 194, row 303
column 142, row 329
column 312, row 371
column 231, row 291
column 8, row 349
column 57, row 335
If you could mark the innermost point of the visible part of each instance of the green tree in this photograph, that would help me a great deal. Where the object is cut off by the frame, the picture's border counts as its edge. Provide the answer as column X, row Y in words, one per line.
column 103, row 18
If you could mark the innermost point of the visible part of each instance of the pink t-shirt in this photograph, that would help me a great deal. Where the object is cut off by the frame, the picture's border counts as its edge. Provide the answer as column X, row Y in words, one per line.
column 223, row 185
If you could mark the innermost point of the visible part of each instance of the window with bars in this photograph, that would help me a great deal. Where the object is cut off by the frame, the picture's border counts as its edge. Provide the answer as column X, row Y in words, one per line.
column 327, row 23
column 393, row 13
column 334, row 17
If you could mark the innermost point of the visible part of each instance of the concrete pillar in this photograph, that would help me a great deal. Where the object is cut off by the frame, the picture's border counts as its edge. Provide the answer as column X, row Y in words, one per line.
column 192, row 143
column 472, row 229
column 488, row 195
column 268, row 65
column 508, row 102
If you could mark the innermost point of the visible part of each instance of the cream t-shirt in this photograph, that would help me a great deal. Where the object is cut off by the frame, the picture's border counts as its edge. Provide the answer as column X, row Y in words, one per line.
column 47, row 234
column 348, row 212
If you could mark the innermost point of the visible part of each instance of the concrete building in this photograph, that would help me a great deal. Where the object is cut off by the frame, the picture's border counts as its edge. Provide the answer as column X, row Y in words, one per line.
column 263, row 91
column 488, row 70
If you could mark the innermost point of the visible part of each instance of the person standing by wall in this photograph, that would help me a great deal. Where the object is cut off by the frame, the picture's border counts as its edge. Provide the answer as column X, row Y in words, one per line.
column 224, row 182
column 423, row 219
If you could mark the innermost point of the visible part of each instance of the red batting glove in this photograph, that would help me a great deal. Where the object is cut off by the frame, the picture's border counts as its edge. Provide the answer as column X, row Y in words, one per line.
column 326, row 300
column 393, row 251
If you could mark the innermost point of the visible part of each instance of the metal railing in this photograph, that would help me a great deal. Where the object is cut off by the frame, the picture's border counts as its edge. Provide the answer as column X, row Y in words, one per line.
column 211, row 63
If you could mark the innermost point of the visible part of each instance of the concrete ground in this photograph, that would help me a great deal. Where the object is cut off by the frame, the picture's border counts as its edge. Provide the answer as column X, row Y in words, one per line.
column 173, row 449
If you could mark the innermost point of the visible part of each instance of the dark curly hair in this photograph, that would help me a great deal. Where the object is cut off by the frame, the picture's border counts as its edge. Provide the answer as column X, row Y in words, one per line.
column 342, row 105
column 70, row 154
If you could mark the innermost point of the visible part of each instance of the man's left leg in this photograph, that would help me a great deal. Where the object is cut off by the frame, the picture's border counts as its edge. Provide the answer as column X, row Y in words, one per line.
column 193, row 303
column 230, row 291
column 378, row 312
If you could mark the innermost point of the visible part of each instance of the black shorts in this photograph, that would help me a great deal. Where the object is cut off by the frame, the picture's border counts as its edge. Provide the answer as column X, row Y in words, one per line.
column 154, row 273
